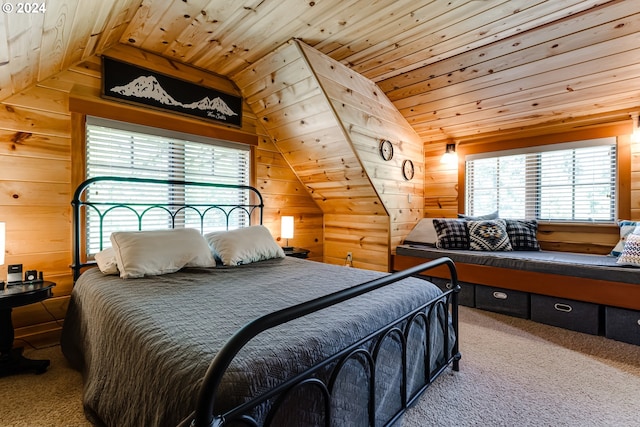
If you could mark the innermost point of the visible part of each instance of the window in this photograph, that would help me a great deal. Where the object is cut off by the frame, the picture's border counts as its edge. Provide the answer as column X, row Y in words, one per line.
column 560, row 182
column 126, row 150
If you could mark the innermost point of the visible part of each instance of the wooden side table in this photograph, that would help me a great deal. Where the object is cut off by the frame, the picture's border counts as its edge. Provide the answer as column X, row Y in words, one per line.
column 15, row 295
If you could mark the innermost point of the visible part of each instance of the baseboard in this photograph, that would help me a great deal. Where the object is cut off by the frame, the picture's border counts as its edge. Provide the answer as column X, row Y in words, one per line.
column 38, row 336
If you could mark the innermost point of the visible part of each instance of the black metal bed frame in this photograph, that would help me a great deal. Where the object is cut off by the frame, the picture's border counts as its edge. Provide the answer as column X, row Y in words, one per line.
column 323, row 375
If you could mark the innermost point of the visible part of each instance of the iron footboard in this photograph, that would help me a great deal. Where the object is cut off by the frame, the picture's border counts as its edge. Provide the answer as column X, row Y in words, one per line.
column 445, row 308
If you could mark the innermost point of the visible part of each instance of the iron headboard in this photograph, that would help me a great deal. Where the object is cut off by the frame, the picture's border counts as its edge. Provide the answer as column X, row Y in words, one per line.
column 173, row 209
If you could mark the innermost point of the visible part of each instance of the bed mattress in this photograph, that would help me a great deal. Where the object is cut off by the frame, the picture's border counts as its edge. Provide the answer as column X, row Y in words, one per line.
column 144, row 345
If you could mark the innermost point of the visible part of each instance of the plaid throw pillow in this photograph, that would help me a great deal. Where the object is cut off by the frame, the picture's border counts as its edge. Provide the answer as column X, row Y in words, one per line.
column 522, row 234
column 488, row 235
column 631, row 253
column 452, row 234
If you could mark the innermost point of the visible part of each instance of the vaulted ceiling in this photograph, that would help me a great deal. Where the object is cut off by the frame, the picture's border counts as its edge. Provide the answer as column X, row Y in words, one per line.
column 457, row 69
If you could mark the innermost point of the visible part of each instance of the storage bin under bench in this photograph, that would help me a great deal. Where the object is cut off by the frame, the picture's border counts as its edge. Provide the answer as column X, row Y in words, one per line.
column 581, row 292
column 622, row 324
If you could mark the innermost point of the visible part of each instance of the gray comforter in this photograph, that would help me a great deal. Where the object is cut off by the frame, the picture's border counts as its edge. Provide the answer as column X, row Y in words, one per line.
column 143, row 345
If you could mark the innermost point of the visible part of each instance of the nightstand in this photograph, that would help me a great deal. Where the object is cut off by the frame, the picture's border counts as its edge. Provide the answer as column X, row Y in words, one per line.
column 15, row 295
column 297, row 252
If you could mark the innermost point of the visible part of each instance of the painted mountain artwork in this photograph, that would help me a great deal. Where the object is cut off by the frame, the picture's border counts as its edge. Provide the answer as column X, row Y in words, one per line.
column 140, row 86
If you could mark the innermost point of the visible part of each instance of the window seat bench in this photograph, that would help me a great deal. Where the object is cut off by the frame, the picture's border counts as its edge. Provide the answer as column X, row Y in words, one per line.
column 585, row 292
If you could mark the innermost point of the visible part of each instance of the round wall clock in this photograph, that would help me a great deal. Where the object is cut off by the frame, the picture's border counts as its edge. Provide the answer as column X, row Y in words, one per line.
column 407, row 170
column 386, row 149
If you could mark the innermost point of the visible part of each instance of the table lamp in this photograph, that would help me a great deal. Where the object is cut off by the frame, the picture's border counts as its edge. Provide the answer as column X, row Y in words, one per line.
column 286, row 231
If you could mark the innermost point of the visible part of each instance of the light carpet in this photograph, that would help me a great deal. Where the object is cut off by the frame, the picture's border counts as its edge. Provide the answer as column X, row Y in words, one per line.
column 513, row 372
column 516, row 372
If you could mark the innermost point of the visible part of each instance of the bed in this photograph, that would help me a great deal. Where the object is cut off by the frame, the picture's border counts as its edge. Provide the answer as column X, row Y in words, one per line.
column 270, row 341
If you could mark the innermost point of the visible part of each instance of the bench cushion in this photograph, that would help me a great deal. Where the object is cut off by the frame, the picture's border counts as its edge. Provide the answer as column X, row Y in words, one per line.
column 600, row 267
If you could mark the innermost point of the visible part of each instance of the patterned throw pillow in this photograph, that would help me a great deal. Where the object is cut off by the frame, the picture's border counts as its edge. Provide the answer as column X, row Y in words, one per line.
column 452, row 233
column 631, row 252
column 626, row 228
column 489, row 235
column 523, row 234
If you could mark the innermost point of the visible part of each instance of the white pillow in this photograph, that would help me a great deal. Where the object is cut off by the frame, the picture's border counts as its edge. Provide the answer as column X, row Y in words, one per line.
column 244, row 245
column 150, row 253
column 492, row 215
column 424, row 232
column 107, row 262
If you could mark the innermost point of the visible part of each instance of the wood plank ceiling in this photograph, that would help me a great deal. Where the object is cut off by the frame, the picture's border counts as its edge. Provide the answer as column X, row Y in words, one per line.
column 457, row 69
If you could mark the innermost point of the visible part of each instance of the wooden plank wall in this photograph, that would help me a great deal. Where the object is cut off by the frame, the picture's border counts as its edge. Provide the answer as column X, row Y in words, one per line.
column 328, row 122
column 367, row 116
column 284, row 194
column 635, row 181
column 444, row 185
column 440, row 183
column 36, row 171
column 287, row 99
column 36, row 184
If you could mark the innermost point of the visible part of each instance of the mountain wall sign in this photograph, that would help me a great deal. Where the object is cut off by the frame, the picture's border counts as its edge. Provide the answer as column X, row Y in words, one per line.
column 136, row 85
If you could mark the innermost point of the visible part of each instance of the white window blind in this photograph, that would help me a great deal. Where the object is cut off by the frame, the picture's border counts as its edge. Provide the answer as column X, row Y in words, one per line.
column 126, row 150
column 560, row 182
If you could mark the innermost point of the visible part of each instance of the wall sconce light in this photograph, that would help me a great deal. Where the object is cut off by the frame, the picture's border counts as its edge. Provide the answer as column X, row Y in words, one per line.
column 286, row 230
column 635, row 134
column 450, row 157
column 2, row 248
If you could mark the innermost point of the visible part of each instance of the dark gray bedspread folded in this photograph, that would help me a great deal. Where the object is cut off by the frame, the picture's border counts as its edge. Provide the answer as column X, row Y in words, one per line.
column 564, row 263
column 143, row 345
